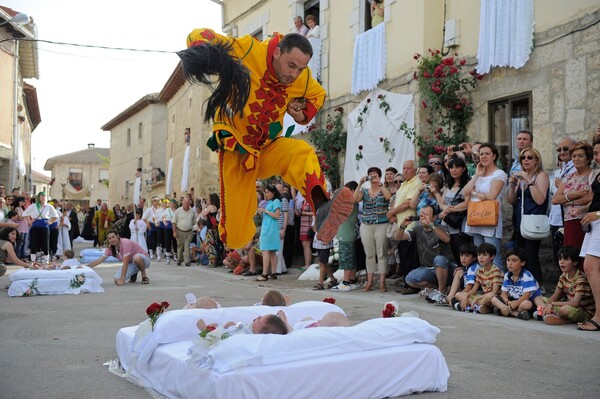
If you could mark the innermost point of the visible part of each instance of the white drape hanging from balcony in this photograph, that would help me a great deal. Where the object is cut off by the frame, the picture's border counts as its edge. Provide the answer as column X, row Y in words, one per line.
column 505, row 33
column 369, row 126
column 370, row 58
column 169, row 177
column 315, row 61
column 185, row 171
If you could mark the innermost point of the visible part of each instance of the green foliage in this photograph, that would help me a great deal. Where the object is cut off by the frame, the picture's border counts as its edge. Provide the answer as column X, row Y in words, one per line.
column 330, row 140
column 444, row 91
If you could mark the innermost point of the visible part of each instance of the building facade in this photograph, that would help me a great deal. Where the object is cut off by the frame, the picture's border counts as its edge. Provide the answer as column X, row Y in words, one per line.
column 81, row 176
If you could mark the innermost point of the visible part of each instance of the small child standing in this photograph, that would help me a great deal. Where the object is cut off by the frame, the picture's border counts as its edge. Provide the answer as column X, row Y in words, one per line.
column 572, row 285
column 519, row 288
column 70, row 262
column 488, row 278
column 464, row 278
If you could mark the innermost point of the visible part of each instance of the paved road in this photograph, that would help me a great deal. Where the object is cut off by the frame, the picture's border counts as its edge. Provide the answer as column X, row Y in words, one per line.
column 54, row 346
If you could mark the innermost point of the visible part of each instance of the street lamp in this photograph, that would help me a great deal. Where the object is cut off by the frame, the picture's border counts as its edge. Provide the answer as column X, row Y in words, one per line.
column 19, row 19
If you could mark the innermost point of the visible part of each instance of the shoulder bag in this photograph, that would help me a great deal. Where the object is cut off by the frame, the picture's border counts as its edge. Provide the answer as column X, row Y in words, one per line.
column 455, row 219
column 483, row 213
column 533, row 227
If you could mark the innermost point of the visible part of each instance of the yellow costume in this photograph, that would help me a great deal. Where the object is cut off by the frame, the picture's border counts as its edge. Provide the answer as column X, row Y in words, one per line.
column 250, row 144
column 103, row 221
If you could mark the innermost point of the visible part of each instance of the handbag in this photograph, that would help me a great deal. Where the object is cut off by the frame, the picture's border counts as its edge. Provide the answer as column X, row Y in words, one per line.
column 533, row 227
column 455, row 219
column 483, row 213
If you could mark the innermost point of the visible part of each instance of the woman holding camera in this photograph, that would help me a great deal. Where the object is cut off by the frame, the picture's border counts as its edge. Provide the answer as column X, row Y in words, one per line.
column 574, row 193
column 430, row 193
column 373, row 225
column 487, row 184
column 530, row 188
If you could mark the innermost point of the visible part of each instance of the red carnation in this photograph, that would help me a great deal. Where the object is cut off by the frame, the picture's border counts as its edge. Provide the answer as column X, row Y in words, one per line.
column 426, row 75
column 164, row 304
column 463, row 62
column 458, row 106
column 424, row 104
column 329, row 300
column 381, row 139
column 210, row 328
column 448, row 61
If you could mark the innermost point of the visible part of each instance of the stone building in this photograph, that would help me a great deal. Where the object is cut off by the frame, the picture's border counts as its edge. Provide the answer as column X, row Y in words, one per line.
column 81, row 176
column 137, row 141
column 19, row 109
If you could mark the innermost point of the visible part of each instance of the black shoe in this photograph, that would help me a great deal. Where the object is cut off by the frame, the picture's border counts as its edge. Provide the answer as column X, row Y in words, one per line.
column 408, row 291
column 133, row 278
column 497, row 311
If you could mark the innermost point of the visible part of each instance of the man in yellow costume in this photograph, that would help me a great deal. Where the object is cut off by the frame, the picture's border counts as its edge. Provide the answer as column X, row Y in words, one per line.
column 258, row 82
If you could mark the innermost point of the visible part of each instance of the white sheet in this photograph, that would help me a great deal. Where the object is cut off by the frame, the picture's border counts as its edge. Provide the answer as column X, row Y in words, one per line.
column 53, row 282
column 180, row 325
column 377, row 373
column 376, row 126
column 370, row 59
column 505, row 33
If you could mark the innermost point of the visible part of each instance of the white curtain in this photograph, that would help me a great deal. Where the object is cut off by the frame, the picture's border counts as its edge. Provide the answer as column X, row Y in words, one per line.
column 315, row 62
column 169, row 177
column 505, row 33
column 517, row 124
column 137, row 188
column 185, row 171
column 376, row 127
column 370, row 58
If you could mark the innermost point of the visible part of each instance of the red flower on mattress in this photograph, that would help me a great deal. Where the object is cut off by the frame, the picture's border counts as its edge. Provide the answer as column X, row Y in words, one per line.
column 390, row 309
column 207, row 330
column 155, row 310
column 329, row 300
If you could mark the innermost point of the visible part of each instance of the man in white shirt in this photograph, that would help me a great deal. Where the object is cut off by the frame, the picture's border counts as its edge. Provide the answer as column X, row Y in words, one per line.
column 299, row 26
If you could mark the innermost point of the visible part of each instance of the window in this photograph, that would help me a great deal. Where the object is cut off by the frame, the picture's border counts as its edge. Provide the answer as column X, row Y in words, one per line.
column 127, row 185
column 507, row 116
column 140, row 162
column 76, row 178
column 103, row 175
column 128, row 137
column 257, row 34
column 140, row 131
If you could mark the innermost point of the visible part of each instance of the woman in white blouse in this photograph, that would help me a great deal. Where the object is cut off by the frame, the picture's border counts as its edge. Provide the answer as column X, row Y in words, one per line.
column 314, row 30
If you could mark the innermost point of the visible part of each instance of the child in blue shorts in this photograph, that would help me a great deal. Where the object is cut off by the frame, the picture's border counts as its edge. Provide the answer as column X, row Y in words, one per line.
column 519, row 288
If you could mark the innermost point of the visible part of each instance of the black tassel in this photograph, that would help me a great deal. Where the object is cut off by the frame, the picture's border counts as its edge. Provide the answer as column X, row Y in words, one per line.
column 233, row 88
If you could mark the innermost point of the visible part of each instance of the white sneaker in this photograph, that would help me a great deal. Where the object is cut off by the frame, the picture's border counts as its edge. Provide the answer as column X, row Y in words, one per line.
column 341, row 287
column 353, row 287
column 434, row 296
column 158, row 258
column 425, row 292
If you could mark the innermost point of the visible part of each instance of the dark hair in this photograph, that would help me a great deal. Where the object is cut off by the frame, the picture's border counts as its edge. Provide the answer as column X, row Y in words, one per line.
column 113, row 248
column 311, row 17
column 374, row 169
column 526, row 131
column 295, row 40
column 273, row 298
column 213, row 199
column 492, row 147
column 437, row 179
column 569, row 252
column 596, row 140
column 352, row 185
column 464, row 178
column 391, row 168
column 273, row 190
column 468, row 249
column 429, row 168
column 273, row 325
column 431, row 207
column 6, row 231
column 69, row 253
column 486, row 249
column 518, row 252
column 11, row 214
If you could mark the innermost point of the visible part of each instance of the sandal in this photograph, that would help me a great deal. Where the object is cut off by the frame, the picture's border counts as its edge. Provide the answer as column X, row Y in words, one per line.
column 332, row 284
column 273, row 276
column 133, row 278
column 592, row 322
column 443, row 301
column 318, row 287
column 249, row 274
column 262, row 277
column 367, row 288
column 145, row 280
column 382, row 288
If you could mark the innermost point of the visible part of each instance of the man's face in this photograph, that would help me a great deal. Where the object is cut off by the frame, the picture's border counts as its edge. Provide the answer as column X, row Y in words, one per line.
column 98, row 202
column 288, row 66
column 408, row 170
column 426, row 216
column 475, row 152
column 297, row 23
column 523, row 141
column 562, row 148
column 186, row 203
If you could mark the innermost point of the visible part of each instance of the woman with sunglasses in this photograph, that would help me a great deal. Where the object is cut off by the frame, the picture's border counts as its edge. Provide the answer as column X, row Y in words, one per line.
column 530, row 188
column 453, row 201
column 565, row 168
column 574, row 193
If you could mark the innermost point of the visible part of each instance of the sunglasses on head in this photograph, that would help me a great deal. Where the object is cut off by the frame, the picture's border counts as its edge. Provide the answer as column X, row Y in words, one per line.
column 562, row 149
column 528, row 157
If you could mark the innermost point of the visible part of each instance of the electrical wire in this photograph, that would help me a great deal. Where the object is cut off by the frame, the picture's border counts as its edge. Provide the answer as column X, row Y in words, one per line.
column 90, row 46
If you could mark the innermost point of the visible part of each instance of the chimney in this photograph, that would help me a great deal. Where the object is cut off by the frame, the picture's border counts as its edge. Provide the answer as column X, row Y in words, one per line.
column 91, row 145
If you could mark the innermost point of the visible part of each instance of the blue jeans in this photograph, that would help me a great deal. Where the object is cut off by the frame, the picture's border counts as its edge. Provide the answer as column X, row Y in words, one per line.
column 478, row 239
column 427, row 273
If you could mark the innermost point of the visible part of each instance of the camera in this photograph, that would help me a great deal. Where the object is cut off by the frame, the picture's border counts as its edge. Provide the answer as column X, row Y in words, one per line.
column 413, row 218
column 428, row 187
column 369, row 178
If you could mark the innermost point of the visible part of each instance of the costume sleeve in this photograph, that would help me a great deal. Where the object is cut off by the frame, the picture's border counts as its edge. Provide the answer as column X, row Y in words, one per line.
column 315, row 96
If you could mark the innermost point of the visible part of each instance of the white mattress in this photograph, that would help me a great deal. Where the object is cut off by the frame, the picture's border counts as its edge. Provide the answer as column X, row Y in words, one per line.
column 53, row 282
column 360, row 369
